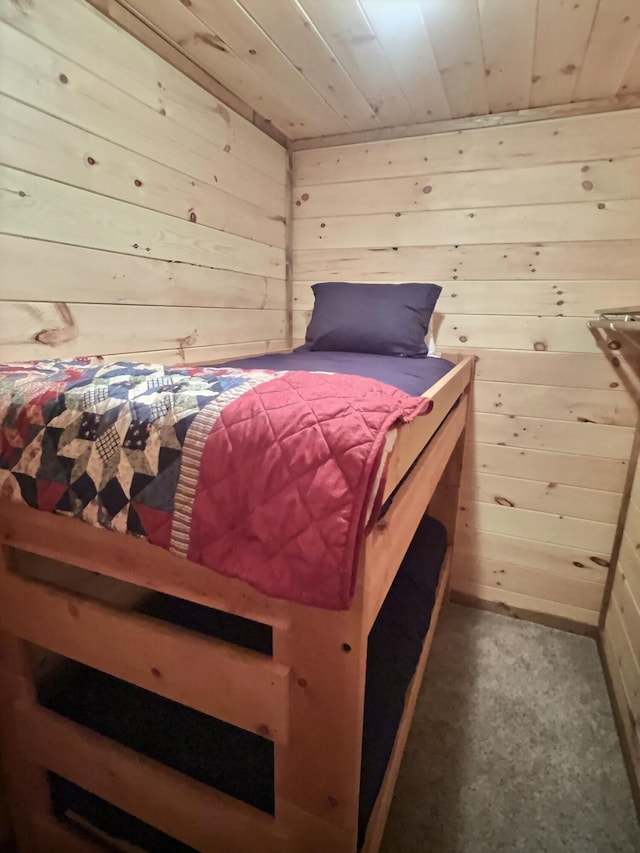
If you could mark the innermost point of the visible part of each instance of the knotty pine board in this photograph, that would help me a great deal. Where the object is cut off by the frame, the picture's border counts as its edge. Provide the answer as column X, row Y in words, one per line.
column 621, row 632
column 140, row 216
column 528, row 229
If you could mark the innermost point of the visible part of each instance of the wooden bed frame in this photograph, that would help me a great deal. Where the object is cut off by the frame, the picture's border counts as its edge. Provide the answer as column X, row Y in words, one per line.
column 308, row 698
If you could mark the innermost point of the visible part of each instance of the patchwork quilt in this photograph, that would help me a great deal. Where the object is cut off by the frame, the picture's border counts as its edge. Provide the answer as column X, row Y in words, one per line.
column 265, row 476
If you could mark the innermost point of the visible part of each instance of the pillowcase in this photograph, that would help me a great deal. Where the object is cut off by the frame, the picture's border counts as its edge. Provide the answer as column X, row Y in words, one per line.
column 386, row 319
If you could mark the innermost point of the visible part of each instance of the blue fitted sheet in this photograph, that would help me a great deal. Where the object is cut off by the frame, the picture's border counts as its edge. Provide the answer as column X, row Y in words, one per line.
column 412, row 375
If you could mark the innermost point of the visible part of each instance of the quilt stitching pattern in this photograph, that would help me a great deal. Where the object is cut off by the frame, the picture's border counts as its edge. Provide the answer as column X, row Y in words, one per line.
column 260, row 475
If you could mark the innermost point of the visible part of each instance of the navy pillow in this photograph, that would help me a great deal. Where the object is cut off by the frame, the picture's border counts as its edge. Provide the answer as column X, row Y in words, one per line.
column 386, row 319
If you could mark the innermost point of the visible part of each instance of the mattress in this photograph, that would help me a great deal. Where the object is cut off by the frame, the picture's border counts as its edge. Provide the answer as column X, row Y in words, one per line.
column 215, row 753
column 411, row 375
column 262, row 475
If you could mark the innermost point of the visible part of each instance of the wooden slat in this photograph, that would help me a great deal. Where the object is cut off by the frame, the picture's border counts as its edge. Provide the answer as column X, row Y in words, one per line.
column 178, row 24
column 536, row 334
column 46, row 210
column 575, row 562
column 346, row 30
column 35, row 270
column 277, row 79
column 34, row 74
column 625, row 658
column 291, row 29
column 517, row 603
column 545, row 466
column 555, row 183
column 375, row 828
column 623, row 705
column 27, row 788
column 387, row 543
column 631, row 81
column 584, row 439
column 557, row 402
column 508, row 36
column 401, row 31
column 30, row 136
column 242, row 687
column 454, row 32
column 131, row 559
column 560, row 223
column 414, row 436
column 474, row 332
column 558, row 59
column 595, row 536
column 183, row 808
column 615, row 37
column 53, row 836
column 77, row 32
column 33, row 330
column 537, row 583
column 556, row 498
column 207, row 355
column 577, row 261
column 622, row 101
column 554, row 141
column 578, row 370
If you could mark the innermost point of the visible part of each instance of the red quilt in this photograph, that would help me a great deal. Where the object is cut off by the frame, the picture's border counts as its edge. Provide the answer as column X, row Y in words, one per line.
column 266, row 477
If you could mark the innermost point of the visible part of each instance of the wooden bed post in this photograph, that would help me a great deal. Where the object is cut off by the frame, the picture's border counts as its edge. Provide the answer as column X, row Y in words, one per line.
column 317, row 773
column 26, row 782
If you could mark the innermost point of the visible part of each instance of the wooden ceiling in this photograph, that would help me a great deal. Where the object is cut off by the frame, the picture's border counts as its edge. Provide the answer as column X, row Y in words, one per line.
column 322, row 67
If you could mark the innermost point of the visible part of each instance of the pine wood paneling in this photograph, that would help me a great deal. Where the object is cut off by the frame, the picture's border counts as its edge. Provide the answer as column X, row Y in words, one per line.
column 139, row 215
column 559, row 182
column 615, row 36
column 454, row 30
column 621, row 632
column 583, row 260
column 508, row 39
column 506, row 220
column 558, row 59
column 561, row 140
column 317, row 68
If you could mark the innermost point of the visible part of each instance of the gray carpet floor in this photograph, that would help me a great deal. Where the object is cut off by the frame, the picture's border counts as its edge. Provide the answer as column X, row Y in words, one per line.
column 513, row 746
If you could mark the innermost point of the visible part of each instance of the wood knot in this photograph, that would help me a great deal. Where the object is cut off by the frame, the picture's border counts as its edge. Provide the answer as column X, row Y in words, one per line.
column 138, row 182
column 600, row 561
column 156, row 672
column 426, row 190
column 346, row 647
column 63, row 78
column 302, row 682
column 263, row 730
column 569, row 69
column 503, row 501
column 614, row 345
column 333, row 801
column 305, row 196
column 540, row 346
column 587, row 185
column 227, row 148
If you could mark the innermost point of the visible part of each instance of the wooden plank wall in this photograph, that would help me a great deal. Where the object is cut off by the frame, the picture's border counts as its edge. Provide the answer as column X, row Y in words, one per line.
column 528, row 228
column 621, row 634
column 140, row 217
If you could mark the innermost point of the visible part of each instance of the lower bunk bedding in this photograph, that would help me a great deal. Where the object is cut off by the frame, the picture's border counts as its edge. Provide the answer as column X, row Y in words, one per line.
column 230, row 759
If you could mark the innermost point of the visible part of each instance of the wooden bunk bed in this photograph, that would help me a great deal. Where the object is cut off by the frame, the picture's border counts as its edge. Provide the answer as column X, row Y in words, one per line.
column 307, row 698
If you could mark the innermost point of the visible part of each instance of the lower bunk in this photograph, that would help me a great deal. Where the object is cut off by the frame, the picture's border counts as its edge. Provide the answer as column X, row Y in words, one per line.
column 232, row 760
